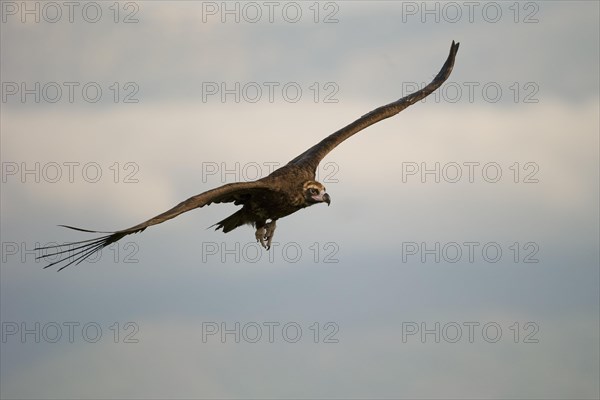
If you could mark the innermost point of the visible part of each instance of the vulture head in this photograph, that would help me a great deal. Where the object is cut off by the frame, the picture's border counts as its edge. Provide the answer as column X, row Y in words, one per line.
column 315, row 192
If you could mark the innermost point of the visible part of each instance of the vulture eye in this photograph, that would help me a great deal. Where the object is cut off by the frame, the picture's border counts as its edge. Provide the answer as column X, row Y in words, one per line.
column 313, row 191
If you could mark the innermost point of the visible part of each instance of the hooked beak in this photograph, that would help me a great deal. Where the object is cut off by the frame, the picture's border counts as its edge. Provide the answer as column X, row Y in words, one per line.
column 327, row 199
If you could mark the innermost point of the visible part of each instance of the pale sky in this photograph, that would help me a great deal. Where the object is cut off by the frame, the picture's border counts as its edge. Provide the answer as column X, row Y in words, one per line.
column 458, row 259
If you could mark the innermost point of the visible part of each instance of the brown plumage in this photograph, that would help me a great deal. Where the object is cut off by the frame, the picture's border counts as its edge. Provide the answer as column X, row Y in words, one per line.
column 283, row 192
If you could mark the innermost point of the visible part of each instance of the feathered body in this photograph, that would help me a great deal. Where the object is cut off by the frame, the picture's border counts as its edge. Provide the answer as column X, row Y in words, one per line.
column 288, row 197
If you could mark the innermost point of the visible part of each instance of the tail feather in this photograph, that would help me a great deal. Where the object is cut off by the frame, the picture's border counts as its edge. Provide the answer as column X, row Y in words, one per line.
column 233, row 221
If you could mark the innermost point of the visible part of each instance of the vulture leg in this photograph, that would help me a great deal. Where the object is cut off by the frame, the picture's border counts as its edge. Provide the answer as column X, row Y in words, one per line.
column 260, row 235
column 265, row 231
column 270, row 233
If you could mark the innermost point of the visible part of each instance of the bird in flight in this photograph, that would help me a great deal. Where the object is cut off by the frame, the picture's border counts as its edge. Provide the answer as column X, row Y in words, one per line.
column 285, row 191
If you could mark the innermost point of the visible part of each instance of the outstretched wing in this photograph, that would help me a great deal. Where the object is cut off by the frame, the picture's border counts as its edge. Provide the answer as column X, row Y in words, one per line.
column 311, row 158
column 76, row 252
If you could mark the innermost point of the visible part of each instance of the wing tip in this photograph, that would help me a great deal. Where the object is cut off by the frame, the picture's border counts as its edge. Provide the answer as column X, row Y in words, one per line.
column 447, row 67
column 454, row 47
column 79, row 251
